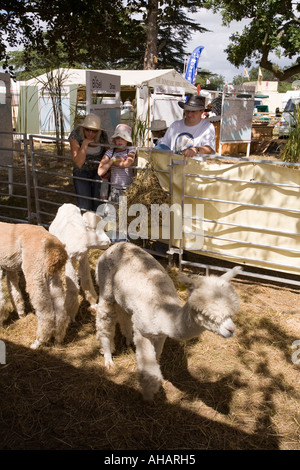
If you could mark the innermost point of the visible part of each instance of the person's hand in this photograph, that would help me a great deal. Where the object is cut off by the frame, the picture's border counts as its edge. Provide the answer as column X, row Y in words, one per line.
column 86, row 142
column 190, row 152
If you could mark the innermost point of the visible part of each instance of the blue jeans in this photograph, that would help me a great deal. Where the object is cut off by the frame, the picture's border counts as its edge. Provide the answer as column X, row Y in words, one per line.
column 88, row 189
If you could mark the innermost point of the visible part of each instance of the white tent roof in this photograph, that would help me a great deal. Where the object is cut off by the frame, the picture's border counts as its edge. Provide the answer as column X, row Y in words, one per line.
column 135, row 78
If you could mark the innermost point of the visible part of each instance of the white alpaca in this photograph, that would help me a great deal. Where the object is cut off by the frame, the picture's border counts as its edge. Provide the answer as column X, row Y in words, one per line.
column 137, row 284
column 41, row 257
column 79, row 233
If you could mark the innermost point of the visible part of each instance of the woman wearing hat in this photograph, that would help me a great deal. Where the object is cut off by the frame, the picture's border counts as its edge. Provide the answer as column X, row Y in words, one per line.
column 193, row 134
column 88, row 144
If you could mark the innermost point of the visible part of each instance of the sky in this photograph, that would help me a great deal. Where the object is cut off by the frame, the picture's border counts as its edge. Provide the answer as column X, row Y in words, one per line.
column 213, row 57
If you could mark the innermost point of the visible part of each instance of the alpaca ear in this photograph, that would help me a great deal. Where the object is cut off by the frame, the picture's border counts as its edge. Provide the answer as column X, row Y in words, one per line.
column 232, row 273
column 91, row 220
column 187, row 281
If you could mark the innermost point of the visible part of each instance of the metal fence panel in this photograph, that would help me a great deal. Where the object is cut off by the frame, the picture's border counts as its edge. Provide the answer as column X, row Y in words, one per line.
column 15, row 180
column 250, row 211
column 250, row 208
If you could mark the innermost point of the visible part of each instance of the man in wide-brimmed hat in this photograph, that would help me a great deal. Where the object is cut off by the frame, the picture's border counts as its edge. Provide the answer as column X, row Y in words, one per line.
column 193, row 134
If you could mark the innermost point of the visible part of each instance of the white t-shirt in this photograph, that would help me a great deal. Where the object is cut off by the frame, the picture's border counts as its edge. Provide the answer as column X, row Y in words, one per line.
column 180, row 137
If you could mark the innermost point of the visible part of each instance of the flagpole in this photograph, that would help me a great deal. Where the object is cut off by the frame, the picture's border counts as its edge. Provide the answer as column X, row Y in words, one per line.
column 184, row 65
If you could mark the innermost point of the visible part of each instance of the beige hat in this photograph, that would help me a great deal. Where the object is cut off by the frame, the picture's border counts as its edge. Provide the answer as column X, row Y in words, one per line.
column 92, row 121
column 158, row 125
column 123, row 131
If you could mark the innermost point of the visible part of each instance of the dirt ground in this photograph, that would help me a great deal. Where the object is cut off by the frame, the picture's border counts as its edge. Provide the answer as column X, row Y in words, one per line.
column 237, row 393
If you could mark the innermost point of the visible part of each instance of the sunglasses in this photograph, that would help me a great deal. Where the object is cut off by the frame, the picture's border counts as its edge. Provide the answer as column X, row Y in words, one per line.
column 91, row 130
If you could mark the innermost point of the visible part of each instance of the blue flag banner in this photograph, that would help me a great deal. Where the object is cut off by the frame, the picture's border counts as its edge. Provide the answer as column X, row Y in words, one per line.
column 191, row 70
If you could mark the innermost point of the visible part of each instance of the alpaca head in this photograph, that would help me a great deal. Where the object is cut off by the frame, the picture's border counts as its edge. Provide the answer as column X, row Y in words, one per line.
column 95, row 234
column 213, row 303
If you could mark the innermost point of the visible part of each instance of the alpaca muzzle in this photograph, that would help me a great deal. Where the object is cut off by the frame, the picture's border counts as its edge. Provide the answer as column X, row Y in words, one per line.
column 227, row 328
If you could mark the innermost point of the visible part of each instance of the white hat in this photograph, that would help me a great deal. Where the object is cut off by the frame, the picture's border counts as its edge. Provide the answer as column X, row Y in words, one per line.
column 123, row 131
column 158, row 125
column 92, row 121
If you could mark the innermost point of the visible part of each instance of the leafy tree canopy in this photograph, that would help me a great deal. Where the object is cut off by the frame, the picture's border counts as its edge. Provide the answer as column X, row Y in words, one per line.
column 87, row 31
column 273, row 28
column 209, row 80
column 166, row 28
column 266, row 76
column 101, row 34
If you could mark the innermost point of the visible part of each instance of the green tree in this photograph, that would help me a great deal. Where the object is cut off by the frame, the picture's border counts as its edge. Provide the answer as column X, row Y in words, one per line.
column 273, row 28
column 165, row 29
column 103, row 34
column 39, row 64
column 253, row 76
column 266, row 76
column 90, row 32
column 215, row 81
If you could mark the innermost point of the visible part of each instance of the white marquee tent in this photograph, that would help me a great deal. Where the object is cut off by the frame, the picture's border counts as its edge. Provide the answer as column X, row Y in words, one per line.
column 134, row 78
column 157, row 94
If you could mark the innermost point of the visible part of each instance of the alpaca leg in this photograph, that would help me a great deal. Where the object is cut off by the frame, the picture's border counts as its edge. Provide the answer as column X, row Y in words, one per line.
column 12, row 279
column 150, row 376
column 105, row 325
column 62, row 319
column 125, row 323
column 159, row 345
column 86, row 280
column 39, row 293
column 45, row 329
column 72, row 289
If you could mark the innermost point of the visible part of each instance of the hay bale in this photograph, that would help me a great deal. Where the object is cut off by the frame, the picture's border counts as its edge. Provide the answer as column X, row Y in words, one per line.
column 146, row 189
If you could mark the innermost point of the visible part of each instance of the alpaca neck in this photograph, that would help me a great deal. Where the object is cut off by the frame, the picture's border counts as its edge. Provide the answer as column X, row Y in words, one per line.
column 184, row 326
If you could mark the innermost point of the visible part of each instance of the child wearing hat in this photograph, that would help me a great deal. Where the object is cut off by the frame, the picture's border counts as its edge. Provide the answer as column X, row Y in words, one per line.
column 119, row 161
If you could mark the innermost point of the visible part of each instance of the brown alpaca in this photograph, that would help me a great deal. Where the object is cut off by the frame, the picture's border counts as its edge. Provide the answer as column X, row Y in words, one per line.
column 41, row 257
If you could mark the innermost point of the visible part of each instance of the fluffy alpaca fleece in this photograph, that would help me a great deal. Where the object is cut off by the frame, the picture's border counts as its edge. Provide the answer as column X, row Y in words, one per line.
column 134, row 288
column 79, row 233
column 41, row 257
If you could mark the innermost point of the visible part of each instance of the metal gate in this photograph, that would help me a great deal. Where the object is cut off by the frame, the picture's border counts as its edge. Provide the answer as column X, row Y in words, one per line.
column 37, row 180
column 15, row 176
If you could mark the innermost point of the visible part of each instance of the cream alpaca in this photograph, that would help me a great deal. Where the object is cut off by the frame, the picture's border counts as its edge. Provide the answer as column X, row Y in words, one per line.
column 79, row 233
column 134, row 282
column 41, row 257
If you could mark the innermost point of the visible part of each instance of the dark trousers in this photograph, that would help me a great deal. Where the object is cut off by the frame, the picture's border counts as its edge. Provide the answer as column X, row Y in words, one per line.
column 89, row 189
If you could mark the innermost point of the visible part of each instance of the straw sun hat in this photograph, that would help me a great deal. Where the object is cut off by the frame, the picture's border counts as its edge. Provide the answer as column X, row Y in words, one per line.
column 91, row 121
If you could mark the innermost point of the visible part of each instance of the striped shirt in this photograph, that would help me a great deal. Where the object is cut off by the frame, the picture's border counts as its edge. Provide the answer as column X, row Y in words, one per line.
column 120, row 176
